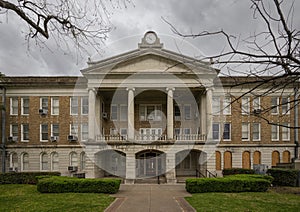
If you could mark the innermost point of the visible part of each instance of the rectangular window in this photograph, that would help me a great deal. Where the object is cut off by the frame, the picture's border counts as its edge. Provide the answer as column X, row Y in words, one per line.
column 25, row 132
column 14, row 130
column 216, row 131
column 285, row 132
column 274, row 132
column 177, row 113
column 256, row 131
column 245, row 105
column 114, row 112
column 216, row 105
column 44, row 103
column 177, row 131
column 245, row 131
column 74, row 129
column 274, row 105
column 226, row 131
column 123, row 112
column 187, row 112
column 227, row 105
column 84, row 105
column 256, row 103
column 14, row 106
column 55, row 130
column 84, row 131
column 150, row 112
column 74, row 105
column 25, row 106
column 54, row 106
column 44, row 132
column 285, row 104
column 187, row 131
column 123, row 131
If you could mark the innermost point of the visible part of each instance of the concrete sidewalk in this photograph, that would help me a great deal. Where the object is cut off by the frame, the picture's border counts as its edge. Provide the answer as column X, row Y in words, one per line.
column 150, row 198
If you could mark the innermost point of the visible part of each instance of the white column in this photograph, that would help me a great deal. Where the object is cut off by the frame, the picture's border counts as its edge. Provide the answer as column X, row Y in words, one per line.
column 170, row 168
column 209, row 113
column 170, row 113
column 130, row 126
column 130, row 168
column 203, row 114
column 92, row 113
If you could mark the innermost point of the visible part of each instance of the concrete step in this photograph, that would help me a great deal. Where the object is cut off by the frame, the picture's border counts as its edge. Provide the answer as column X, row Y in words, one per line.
column 151, row 180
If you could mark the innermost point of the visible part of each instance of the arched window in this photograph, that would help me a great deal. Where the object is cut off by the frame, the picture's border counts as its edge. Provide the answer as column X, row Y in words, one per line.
column 54, row 161
column 218, row 160
column 227, row 160
column 13, row 160
column 82, row 160
column 256, row 157
column 246, row 163
column 73, row 159
column 286, row 157
column 275, row 158
column 25, row 162
column 44, row 161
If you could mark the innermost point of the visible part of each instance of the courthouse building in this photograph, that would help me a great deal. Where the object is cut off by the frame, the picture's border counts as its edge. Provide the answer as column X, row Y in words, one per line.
column 145, row 113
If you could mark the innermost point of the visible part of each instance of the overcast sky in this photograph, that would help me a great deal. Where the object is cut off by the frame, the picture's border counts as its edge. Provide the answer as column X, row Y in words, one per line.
column 234, row 16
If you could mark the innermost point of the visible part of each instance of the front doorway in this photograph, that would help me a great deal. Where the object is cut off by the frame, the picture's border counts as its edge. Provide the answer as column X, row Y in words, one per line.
column 150, row 164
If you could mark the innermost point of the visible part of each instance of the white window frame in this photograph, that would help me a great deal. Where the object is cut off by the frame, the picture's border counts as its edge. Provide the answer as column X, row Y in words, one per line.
column 112, row 117
column 73, row 159
column 216, row 105
column 226, row 139
column 22, row 133
column 248, row 131
column 74, row 99
column 287, row 105
column 41, row 103
column 23, row 162
column 216, row 123
column 187, row 116
column 82, row 161
column 42, row 162
column 259, row 131
column 53, row 107
column 41, row 133
column 245, row 105
column 275, row 106
column 227, row 105
column 123, row 117
column 288, row 131
column 12, row 99
column 123, row 131
column 52, row 131
column 82, row 105
column 157, row 112
column 11, row 132
column 87, row 132
column 185, row 130
column 22, row 106
column 75, row 128
column 53, row 161
column 275, row 133
column 256, row 105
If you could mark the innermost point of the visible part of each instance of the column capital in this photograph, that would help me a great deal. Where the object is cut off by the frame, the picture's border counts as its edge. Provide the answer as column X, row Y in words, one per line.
column 130, row 89
column 170, row 89
column 211, row 88
column 91, row 89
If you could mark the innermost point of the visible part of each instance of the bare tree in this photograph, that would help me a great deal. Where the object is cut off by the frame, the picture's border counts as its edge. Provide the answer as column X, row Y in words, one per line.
column 85, row 23
column 270, row 57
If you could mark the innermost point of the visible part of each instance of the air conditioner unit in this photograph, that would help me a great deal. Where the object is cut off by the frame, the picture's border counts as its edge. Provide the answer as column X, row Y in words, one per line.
column 257, row 111
column 54, row 138
column 12, row 138
column 72, row 168
column 43, row 111
column 104, row 115
column 13, row 169
column 72, row 138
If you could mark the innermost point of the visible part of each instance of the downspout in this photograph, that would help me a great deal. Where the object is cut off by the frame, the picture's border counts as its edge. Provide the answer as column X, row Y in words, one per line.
column 296, row 136
column 3, row 113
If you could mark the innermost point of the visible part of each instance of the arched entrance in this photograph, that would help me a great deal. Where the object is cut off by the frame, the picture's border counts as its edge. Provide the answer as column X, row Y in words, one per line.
column 150, row 163
column 190, row 162
column 110, row 163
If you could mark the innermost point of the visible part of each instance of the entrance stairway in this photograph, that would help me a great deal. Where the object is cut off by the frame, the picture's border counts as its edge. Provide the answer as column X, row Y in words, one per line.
column 151, row 180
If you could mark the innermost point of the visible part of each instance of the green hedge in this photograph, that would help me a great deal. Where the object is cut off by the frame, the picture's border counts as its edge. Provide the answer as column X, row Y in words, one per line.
column 78, row 185
column 234, row 171
column 24, row 177
column 235, row 183
column 284, row 177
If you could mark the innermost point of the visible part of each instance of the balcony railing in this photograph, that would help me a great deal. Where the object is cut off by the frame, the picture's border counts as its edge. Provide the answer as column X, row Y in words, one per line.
column 152, row 137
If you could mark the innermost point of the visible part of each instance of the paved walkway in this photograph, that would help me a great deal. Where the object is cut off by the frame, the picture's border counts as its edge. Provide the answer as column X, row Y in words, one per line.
column 150, row 198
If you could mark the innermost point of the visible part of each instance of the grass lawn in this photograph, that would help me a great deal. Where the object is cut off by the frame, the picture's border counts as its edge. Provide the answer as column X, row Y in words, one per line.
column 27, row 198
column 246, row 201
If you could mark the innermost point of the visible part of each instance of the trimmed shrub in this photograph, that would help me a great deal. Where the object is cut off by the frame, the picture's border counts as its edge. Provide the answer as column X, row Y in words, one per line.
column 236, row 183
column 284, row 177
column 78, row 185
column 24, row 177
column 233, row 171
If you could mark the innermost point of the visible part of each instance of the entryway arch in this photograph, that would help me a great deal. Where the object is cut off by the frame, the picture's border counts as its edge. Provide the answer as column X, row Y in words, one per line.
column 150, row 163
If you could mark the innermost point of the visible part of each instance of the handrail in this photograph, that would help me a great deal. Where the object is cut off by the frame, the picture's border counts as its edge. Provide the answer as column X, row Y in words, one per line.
column 198, row 174
column 210, row 174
